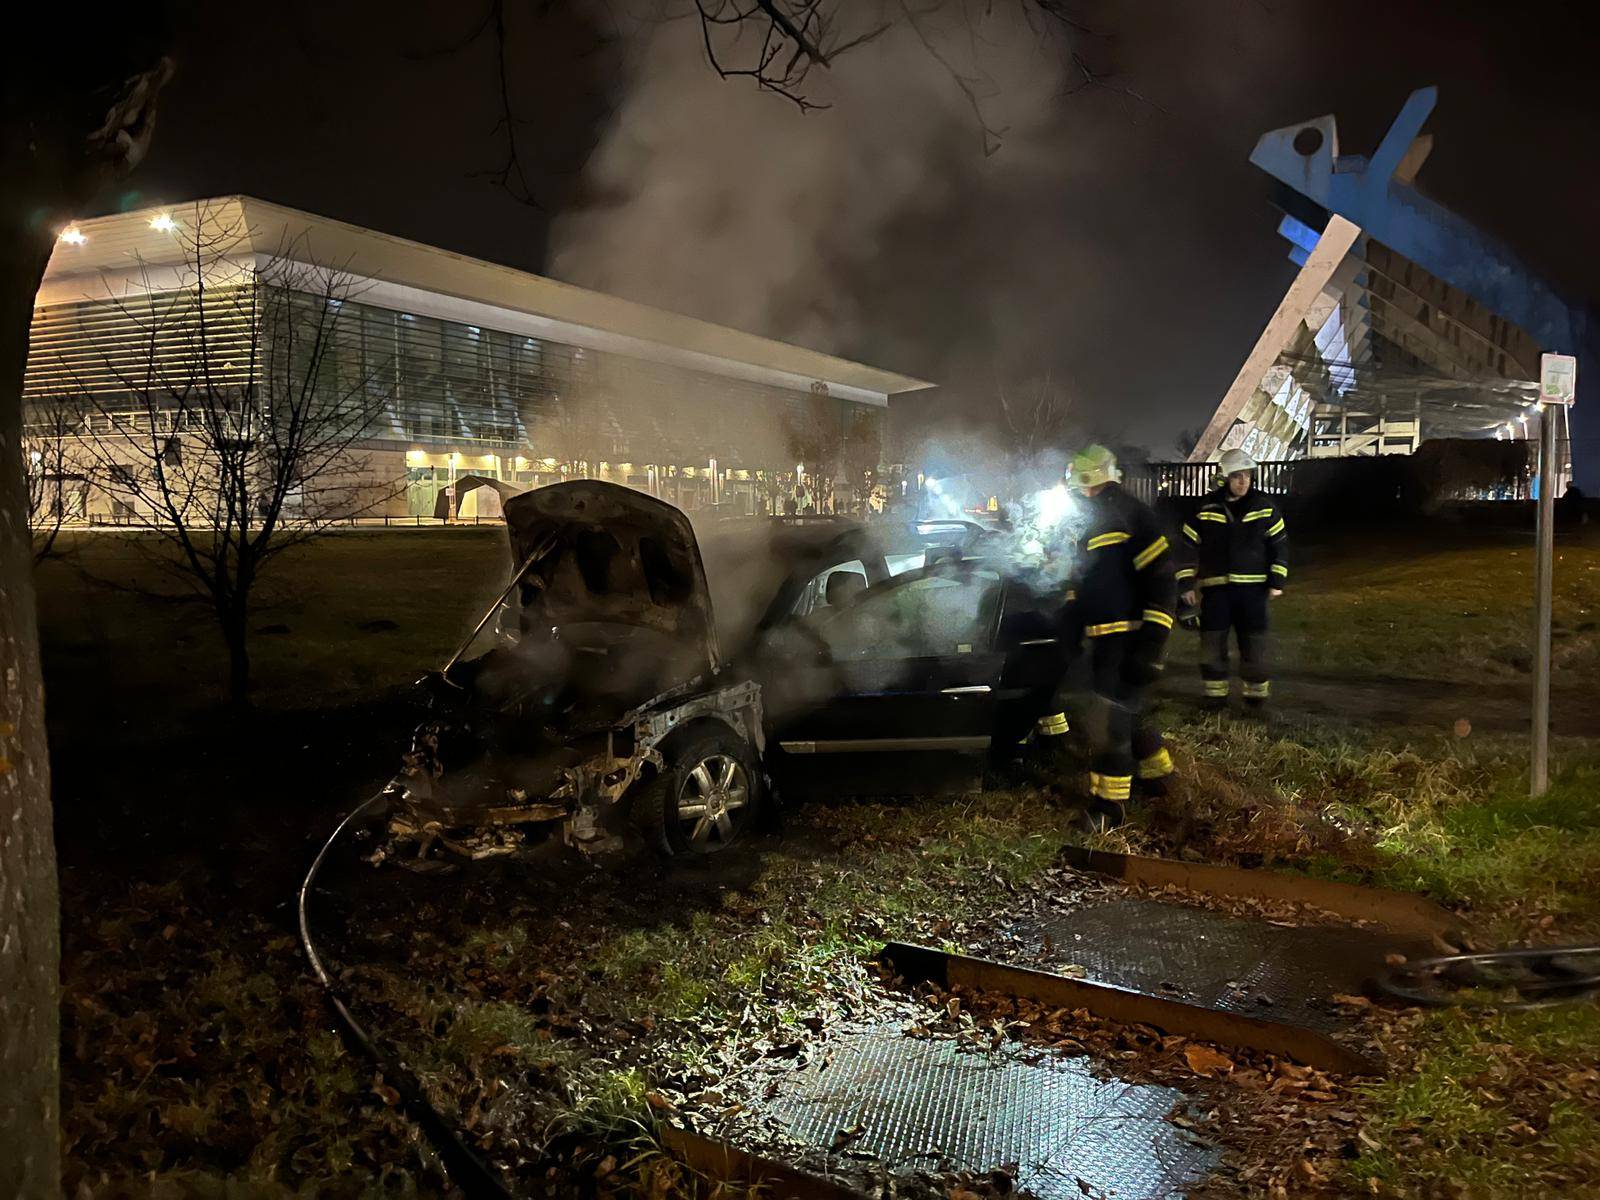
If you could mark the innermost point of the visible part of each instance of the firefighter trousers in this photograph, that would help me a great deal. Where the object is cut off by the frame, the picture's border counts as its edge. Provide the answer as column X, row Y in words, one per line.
column 1122, row 741
column 1239, row 608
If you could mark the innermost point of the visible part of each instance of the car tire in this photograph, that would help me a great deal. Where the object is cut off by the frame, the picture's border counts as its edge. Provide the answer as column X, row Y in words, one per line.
column 707, row 797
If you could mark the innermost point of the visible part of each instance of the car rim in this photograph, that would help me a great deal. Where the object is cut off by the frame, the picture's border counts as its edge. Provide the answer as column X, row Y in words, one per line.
column 710, row 800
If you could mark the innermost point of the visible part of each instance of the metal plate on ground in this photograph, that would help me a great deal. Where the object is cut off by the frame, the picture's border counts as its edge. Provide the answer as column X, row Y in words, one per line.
column 1232, row 964
column 936, row 1105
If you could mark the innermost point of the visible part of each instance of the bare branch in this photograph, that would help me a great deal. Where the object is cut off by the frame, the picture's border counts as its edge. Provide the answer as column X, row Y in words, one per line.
column 967, row 84
column 511, row 174
column 57, row 484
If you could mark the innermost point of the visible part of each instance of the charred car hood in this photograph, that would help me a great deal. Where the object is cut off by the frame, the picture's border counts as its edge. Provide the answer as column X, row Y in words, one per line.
column 608, row 555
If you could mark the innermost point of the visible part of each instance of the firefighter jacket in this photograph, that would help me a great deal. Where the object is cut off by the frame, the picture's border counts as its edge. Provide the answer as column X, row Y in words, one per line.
column 1123, row 579
column 1235, row 541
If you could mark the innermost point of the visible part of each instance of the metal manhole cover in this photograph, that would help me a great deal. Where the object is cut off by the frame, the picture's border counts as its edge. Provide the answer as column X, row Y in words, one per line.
column 1233, row 964
column 937, row 1105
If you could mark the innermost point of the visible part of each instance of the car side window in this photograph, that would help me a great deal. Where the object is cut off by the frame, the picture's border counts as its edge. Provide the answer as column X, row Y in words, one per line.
column 930, row 615
column 815, row 598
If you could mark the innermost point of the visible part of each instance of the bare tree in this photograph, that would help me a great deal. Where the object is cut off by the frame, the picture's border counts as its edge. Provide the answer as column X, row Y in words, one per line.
column 51, row 459
column 1187, row 440
column 228, row 416
column 1037, row 417
column 863, row 454
column 813, row 432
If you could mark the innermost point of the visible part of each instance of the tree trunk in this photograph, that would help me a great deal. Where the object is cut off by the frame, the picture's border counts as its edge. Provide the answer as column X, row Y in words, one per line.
column 74, row 113
column 235, row 628
column 29, row 912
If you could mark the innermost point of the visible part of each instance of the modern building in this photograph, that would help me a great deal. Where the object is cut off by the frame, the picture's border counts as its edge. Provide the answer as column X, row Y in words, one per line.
column 478, row 370
column 1404, row 322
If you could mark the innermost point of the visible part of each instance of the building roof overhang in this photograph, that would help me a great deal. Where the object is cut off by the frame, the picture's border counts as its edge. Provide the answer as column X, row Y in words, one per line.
column 132, row 251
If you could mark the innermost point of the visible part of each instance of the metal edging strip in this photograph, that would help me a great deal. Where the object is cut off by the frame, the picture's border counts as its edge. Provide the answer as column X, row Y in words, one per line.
column 1397, row 911
column 727, row 1166
column 925, row 964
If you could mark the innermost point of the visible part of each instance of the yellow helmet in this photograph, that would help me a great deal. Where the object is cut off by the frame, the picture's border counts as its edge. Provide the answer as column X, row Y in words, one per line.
column 1092, row 466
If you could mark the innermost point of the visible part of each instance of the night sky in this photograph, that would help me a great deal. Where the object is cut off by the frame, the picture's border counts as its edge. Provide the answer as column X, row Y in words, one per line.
column 1118, row 241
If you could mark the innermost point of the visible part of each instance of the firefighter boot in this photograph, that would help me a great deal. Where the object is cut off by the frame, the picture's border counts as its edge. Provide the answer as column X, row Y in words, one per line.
column 1043, row 751
column 1154, row 773
column 1107, row 796
column 1256, row 694
column 1049, row 735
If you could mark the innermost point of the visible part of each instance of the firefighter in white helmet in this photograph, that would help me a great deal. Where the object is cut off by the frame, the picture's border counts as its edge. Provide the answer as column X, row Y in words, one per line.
column 1239, row 558
column 1121, row 606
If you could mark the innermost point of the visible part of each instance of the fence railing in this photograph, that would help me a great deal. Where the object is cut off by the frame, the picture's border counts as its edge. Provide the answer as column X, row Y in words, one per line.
column 1187, row 481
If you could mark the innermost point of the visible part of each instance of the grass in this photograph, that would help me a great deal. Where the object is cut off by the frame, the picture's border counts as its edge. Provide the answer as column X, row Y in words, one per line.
column 308, row 647
column 203, row 1056
column 896, row 869
column 209, row 1059
column 1490, row 1105
column 1447, row 817
column 1444, row 603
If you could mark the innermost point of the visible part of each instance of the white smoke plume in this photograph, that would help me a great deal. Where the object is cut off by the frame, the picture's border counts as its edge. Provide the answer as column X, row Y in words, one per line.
column 714, row 199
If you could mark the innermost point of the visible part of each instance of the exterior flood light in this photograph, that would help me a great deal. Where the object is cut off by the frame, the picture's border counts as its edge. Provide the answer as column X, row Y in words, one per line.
column 163, row 224
column 73, row 236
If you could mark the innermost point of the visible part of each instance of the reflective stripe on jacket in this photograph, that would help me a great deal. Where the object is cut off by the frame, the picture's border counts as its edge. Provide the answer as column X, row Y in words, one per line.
column 1123, row 573
column 1235, row 541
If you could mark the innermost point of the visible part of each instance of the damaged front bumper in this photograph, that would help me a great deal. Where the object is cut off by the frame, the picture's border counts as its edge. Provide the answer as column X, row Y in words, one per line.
column 491, row 807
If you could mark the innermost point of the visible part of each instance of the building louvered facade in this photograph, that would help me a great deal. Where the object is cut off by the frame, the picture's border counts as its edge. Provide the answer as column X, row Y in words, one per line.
column 480, row 370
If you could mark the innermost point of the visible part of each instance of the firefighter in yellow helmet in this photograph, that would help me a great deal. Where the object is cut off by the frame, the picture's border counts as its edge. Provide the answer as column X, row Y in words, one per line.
column 1120, row 608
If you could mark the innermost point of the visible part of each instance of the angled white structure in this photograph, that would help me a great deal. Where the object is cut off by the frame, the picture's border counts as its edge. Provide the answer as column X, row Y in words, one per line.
column 1404, row 321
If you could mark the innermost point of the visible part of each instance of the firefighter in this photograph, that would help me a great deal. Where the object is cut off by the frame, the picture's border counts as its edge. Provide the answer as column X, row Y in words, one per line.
column 1240, row 559
column 1120, row 608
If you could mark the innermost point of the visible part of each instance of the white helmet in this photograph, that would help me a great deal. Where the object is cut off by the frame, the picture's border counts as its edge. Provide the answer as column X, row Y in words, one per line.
column 1236, row 460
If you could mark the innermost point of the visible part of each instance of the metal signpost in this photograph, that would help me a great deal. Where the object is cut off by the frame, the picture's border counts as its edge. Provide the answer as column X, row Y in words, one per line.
column 1558, row 381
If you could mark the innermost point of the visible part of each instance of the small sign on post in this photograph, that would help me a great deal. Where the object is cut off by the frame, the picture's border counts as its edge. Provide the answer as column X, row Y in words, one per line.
column 1558, row 385
column 1558, row 379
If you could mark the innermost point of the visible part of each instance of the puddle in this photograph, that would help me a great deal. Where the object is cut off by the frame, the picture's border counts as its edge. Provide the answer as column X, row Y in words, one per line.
column 937, row 1105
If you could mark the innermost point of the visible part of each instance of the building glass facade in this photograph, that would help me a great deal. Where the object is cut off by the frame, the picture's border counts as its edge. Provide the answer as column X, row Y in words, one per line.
column 461, row 400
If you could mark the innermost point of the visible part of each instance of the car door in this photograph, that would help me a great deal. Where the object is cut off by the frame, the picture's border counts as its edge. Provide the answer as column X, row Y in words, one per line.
column 910, row 667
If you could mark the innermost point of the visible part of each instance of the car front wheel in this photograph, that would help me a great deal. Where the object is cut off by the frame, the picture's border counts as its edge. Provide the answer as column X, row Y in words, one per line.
column 705, row 799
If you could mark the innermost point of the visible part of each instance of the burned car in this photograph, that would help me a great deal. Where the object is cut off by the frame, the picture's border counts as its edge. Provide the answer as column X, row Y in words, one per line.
column 622, row 684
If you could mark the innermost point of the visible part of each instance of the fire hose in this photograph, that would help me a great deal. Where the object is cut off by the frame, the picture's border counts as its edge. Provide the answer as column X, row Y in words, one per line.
column 466, row 1169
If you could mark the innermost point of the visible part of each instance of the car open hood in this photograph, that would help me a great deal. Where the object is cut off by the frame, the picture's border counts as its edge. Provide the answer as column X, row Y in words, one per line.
column 611, row 555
